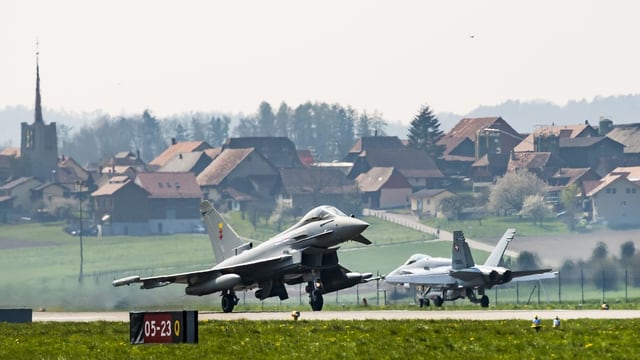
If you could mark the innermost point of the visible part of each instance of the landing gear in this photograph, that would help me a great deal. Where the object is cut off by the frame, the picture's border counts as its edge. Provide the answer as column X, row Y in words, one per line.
column 438, row 301
column 229, row 301
column 424, row 302
column 484, row 301
column 314, row 288
column 315, row 300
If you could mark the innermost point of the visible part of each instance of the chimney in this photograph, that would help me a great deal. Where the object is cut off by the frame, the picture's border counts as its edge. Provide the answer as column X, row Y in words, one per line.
column 173, row 141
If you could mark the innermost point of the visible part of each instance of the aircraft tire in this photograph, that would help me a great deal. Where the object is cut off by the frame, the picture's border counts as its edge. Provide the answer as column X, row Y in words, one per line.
column 484, row 301
column 437, row 301
column 316, row 301
column 228, row 302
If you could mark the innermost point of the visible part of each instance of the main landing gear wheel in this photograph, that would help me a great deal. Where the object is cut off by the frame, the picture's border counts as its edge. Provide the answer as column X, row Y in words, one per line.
column 437, row 301
column 424, row 302
column 315, row 300
column 229, row 301
column 484, row 301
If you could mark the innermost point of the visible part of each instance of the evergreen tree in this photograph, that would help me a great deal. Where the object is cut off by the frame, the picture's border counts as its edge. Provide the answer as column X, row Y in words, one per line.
column 266, row 120
column 283, row 119
column 218, row 130
column 364, row 125
column 425, row 132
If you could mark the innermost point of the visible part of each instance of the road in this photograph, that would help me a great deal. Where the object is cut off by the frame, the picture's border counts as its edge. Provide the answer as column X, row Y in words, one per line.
column 359, row 315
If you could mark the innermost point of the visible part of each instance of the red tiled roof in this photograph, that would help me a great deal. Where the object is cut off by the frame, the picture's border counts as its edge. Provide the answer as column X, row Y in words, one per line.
column 180, row 147
column 222, row 166
column 169, row 185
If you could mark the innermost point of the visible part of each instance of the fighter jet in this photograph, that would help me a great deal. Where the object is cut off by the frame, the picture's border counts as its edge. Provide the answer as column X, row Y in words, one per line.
column 441, row 279
column 306, row 252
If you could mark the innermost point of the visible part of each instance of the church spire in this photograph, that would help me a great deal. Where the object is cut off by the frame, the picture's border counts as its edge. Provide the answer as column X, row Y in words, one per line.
column 38, row 112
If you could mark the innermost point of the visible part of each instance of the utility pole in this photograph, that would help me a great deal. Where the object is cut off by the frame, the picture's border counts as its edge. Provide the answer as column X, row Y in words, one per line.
column 80, row 189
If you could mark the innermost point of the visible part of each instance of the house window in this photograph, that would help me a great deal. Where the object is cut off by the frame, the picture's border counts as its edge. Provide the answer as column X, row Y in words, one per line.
column 613, row 190
column 633, row 190
column 608, row 191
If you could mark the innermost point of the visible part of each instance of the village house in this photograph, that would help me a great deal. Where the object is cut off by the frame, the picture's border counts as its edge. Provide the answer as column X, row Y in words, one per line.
column 279, row 151
column 177, row 147
column 415, row 165
column 173, row 201
column 426, row 202
column 238, row 177
column 20, row 191
column 305, row 188
column 383, row 188
column 615, row 199
column 121, row 207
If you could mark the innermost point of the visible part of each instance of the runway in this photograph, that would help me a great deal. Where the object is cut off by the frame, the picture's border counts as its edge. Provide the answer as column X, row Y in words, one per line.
column 358, row 315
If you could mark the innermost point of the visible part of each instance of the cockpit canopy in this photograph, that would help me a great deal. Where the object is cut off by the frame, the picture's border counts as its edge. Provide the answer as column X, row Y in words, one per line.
column 319, row 213
column 415, row 257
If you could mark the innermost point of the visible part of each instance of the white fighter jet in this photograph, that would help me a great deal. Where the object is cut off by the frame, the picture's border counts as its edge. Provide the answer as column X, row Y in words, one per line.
column 441, row 279
column 306, row 252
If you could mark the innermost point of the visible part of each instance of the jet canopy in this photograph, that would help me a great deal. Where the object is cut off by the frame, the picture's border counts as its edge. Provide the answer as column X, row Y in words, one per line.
column 321, row 213
column 414, row 258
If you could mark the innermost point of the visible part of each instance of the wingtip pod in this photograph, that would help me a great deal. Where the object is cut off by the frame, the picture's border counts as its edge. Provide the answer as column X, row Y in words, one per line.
column 126, row 281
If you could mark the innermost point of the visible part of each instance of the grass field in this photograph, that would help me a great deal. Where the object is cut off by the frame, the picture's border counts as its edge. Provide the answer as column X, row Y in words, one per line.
column 366, row 339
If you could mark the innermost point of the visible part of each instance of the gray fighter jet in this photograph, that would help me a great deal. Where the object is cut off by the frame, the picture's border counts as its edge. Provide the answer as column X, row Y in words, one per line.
column 441, row 279
column 306, row 252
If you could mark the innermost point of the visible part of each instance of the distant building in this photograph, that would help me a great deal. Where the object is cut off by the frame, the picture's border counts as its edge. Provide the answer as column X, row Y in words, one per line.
column 39, row 143
column 615, row 199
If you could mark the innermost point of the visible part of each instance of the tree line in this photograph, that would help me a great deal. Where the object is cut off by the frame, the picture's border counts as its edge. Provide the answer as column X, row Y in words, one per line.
column 328, row 130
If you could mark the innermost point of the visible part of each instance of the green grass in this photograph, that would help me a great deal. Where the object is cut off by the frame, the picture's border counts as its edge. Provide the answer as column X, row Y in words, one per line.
column 335, row 339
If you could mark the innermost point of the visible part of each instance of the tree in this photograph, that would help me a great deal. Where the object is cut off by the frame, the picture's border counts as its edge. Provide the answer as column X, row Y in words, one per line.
column 568, row 198
column 627, row 251
column 218, row 130
column 283, row 119
column 507, row 196
column 364, row 125
column 535, row 207
column 198, row 132
column 266, row 120
column 600, row 252
column 378, row 124
column 424, row 133
column 151, row 140
column 247, row 127
column 527, row 261
column 181, row 133
column 452, row 206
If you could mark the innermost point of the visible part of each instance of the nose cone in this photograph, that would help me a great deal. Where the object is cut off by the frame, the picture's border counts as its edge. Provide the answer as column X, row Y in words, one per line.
column 356, row 225
column 351, row 229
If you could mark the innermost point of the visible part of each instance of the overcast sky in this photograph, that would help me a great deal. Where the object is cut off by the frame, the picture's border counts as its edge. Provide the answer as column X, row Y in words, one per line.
column 386, row 56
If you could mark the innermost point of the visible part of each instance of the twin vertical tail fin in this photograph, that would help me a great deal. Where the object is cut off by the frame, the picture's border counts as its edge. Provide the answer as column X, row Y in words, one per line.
column 495, row 258
column 224, row 240
column 461, row 254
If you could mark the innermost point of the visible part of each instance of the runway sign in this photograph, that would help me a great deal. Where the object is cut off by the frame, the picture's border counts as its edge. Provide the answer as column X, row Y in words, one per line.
column 164, row 327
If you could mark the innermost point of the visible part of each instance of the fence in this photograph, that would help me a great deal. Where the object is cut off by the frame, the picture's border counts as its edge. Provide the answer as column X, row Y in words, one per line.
column 586, row 288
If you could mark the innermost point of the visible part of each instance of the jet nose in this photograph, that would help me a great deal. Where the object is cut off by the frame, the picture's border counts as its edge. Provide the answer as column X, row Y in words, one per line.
column 356, row 225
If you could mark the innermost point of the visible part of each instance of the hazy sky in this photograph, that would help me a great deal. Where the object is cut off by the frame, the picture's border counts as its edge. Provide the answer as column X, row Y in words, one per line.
column 389, row 56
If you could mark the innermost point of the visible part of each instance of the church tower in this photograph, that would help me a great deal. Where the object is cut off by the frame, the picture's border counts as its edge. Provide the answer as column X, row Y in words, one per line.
column 39, row 144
